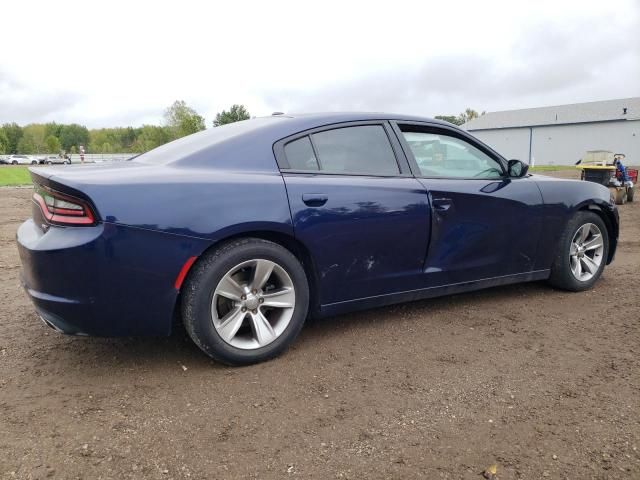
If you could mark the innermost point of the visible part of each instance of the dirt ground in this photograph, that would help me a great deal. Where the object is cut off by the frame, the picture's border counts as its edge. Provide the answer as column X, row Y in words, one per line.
column 542, row 383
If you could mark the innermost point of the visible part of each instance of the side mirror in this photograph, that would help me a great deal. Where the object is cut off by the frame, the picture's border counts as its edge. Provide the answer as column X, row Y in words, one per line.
column 517, row 169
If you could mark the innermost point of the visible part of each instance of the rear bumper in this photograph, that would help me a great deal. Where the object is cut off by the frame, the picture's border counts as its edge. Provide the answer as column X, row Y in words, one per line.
column 106, row 280
column 58, row 324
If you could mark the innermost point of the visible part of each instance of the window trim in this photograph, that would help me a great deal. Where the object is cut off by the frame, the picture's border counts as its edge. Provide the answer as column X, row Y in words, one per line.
column 404, row 169
column 439, row 129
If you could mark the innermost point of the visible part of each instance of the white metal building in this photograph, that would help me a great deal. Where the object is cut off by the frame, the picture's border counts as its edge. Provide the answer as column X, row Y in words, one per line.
column 561, row 135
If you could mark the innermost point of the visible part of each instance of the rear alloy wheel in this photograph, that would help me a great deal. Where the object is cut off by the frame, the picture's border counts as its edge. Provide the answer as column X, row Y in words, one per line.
column 15, row 162
column 253, row 304
column 246, row 301
column 582, row 253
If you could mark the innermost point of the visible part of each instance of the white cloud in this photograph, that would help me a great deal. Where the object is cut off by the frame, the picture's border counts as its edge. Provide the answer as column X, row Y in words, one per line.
column 123, row 62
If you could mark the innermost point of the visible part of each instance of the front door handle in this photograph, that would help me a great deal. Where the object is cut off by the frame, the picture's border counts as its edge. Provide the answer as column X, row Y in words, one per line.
column 442, row 204
column 314, row 199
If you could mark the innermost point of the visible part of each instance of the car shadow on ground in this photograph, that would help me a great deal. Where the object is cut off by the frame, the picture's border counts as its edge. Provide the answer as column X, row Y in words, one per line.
column 178, row 351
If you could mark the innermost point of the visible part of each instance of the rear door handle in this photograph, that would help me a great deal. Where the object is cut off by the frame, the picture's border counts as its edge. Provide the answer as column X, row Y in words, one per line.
column 442, row 204
column 314, row 199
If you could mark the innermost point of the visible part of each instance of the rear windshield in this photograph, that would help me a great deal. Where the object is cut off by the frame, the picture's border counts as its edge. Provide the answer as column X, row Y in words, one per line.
column 183, row 147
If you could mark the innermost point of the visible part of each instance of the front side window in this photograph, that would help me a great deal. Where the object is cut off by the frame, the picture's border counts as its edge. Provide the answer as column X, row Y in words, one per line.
column 439, row 155
column 361, row 150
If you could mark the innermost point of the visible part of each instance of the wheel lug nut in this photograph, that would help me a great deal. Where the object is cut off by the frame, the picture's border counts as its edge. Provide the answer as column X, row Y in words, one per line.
column 254, row 311
column 261, row 300
column 244, row 309
column 243, row 297
column 254, row 291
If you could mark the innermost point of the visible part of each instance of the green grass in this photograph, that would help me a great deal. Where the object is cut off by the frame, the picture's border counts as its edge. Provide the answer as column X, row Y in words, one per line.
column 551, row 168
column 14, row 175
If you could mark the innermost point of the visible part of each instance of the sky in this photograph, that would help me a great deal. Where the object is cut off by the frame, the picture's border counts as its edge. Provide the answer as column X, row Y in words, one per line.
column 117, row 63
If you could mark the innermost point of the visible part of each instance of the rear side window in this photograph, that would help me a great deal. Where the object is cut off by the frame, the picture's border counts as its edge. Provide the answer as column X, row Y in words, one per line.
column 359, row 150
column 300, row 155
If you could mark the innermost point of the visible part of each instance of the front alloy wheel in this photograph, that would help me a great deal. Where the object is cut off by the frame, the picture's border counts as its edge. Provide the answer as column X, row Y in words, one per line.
column 586, row 252
column 582, row 252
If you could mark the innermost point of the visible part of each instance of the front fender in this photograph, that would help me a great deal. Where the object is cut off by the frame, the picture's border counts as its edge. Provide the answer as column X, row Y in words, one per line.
column 561, row 200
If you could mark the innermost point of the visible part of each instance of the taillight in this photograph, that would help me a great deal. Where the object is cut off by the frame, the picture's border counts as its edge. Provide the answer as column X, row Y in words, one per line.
column 61, row 209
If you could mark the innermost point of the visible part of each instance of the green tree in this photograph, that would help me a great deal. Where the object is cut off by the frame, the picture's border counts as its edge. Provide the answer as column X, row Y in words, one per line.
column 13, row 132
column 235, row 114
column 53, row 144
column 4, row 142
column 53, row 128
column 33, row 136
column 450, row 118
column 74, row 135
column 119, row 139
column 150, row 137
column 27, row 146
column 468, row 115
column 183, row 120
column 127, row 137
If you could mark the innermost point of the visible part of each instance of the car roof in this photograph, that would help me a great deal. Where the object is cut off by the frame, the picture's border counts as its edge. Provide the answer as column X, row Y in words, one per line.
column 324, row 118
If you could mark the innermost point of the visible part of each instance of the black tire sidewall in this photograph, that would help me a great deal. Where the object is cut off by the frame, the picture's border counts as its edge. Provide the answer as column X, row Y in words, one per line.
column 561, row 274
column 205, row 276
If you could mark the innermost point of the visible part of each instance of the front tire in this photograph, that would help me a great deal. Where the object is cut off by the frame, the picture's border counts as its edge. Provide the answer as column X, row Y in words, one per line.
column 582, row 253
column 245, row 302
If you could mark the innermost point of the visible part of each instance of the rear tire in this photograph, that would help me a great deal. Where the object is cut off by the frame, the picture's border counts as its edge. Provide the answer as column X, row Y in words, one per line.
column 589, row 261
column 14, row 162
column 630, row 194
column 235, row 317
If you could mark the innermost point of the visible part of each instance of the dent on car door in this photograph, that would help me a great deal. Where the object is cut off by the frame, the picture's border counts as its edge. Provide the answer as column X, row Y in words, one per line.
column 363, row 217
column 484, row 224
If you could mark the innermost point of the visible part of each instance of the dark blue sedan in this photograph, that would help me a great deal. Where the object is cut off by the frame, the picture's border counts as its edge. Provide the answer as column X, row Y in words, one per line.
column 245, row 230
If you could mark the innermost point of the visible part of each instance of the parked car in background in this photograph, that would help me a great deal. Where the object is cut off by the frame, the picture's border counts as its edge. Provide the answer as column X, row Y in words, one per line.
column 247, row 229
column 54, row 160
column 21, row 160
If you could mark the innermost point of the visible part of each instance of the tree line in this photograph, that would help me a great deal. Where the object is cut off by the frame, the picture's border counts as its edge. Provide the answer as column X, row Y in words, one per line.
column 179, row 120
column 464, row 117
